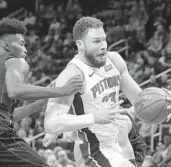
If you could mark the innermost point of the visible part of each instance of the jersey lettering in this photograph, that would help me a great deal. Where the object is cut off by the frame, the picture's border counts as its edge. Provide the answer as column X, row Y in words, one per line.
column 105, row 84
column 111, row 97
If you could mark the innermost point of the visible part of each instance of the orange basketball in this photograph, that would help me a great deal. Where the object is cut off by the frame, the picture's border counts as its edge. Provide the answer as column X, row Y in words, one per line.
column 151, row 105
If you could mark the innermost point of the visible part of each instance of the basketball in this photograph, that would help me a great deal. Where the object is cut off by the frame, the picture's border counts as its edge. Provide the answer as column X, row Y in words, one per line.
column 151, row 105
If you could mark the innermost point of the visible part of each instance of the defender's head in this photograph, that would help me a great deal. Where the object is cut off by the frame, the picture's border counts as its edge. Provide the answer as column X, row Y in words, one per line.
column 11, row 37
column 90, row 39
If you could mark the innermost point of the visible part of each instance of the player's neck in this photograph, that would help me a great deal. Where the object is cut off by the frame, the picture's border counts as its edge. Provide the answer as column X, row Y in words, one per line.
column 83, row 58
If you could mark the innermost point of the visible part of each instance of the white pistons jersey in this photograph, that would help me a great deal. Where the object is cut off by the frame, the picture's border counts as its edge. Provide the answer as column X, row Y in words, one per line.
column 101, row 85
column 101, row 90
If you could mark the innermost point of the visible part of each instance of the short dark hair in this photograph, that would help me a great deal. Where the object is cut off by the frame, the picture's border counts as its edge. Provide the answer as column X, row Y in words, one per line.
column 11, row 26
column 83, row 24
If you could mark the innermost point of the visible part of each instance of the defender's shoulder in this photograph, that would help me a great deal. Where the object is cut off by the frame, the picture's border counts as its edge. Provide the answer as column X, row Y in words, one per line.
column 16, row 62
column 70, row 71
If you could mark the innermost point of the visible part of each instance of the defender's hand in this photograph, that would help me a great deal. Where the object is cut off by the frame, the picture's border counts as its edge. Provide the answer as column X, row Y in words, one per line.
column 74, row 85
column 48, row 139
column 106, row 116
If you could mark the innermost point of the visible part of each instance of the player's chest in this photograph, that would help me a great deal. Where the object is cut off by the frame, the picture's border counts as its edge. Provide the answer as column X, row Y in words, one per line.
column 101, row 85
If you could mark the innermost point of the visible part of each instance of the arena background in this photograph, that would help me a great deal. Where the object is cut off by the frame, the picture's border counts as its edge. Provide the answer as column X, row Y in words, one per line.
column 140, row 30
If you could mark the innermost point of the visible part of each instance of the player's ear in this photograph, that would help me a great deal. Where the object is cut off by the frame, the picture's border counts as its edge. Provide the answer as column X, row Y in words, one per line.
column 6, row 46
column 80, row 45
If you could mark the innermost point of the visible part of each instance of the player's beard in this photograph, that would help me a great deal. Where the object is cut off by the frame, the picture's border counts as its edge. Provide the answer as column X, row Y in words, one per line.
column 93, row 60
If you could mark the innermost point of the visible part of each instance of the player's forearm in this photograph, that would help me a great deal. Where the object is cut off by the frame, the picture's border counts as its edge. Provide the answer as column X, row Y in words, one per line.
column 24, row 111
column 29, row 92
column 66, row 122
column 130, row 88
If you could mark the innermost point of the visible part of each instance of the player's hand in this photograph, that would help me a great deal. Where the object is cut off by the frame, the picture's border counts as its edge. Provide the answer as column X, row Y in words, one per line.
column 167, row 91
column 168, row 99
column 48, row 139
column 106, row 116
column 74, row 85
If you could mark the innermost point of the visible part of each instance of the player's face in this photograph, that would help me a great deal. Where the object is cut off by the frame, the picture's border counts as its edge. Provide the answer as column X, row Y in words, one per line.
column 95, row 46
column 17, row 46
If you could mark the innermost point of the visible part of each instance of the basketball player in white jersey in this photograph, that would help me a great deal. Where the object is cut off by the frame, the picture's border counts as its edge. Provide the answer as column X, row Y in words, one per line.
column 93, row 117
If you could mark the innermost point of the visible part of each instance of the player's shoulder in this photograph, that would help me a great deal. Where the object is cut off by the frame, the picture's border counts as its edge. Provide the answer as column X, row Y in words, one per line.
column 115, row 57
column 70, row 71
column 15, row 62
column 118, row 61
column 72, row 67
column 17, row 65
column 113, row 53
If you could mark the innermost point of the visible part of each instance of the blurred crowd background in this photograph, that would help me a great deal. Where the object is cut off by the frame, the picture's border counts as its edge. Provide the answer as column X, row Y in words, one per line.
column 145, row 26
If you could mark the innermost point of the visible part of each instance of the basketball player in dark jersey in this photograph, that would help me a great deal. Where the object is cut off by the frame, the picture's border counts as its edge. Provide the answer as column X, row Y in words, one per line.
column 14, row 152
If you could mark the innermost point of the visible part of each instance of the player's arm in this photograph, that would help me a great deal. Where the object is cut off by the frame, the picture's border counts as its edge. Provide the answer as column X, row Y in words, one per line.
column 137, row 142
column 57, row 120
column 17, row 71
column 24, row 111
column 129, row 87
column 61, row 122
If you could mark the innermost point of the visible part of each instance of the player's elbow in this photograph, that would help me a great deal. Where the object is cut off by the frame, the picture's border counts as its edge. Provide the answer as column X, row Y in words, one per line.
column 48, row 130
column 55, row 124
column 49, row 126
column 14, row 95
column 13, row 92
column 55, row 120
